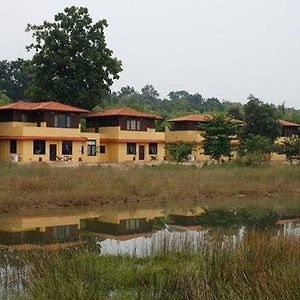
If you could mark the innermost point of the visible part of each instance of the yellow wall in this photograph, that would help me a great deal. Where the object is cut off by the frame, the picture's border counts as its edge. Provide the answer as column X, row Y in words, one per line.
column 116, row 151
column 189, row 136
column 28, row 131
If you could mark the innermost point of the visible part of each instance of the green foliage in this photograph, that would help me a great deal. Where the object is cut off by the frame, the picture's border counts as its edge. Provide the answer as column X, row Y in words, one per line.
column 259, row 144
column 72, row 63
column 290, row 147
column 257, row 266
column 217, row 135
column 14, row 78
column 126, row 91
column 235, row 111
column 150, row 91
column 250, row 216
column 4, row 99
column 256, row 150
column 261, row 119
column 179, row 151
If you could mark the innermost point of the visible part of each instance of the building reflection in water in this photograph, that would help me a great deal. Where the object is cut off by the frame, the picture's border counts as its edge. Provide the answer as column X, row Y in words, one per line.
column 26, row 231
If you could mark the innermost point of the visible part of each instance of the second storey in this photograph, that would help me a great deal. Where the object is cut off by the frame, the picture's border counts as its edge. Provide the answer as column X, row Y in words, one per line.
column 127, row 134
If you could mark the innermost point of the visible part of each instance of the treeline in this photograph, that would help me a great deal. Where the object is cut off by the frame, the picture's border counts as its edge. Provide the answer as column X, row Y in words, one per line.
column 72, row 64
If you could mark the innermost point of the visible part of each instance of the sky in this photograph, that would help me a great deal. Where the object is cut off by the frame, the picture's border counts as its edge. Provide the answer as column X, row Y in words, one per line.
column 220, row 48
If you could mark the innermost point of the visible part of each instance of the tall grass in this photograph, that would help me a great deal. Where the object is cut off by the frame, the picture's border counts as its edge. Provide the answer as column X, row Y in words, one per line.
column 261, row 266
column 44, row 186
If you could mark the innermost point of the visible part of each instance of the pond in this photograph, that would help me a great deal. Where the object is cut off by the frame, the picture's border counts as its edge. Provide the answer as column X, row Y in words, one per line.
column 134, row 231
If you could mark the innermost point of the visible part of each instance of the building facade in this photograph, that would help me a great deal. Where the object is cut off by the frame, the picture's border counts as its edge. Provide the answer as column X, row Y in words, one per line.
column 127, row 135
column 44, row 131
column 51, row 131
column 186, row 129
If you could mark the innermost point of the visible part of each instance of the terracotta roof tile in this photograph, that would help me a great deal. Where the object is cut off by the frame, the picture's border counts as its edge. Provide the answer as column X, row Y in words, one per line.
column 192, row 118
column 197, row 118
column 289, row 124
column 125, row 111
column 49, row 105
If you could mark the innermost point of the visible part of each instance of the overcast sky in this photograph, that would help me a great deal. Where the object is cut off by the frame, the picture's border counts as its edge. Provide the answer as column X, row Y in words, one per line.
column 222, row 48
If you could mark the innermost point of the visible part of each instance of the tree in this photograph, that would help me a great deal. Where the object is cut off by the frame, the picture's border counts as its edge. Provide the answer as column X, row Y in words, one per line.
column 261, row 119
column 72, row 63
column 235, row 111
column 150, row 91
column 4, row 99
column 218, row 132
column 259, row 144
column 212, row 104
column 257, row 149
column 180, row 151
column 14, row 78
column 126, row 91
column 290, row 147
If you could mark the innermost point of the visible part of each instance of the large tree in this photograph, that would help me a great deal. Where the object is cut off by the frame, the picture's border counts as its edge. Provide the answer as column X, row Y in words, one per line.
column 72, row 63
column 260, row 119
column 14, row 78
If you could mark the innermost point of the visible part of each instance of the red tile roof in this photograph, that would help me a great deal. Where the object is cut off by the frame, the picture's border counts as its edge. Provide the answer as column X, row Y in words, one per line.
column 192, row 118
column 197, row 118
column 125, row 111
column 289, row 124
column 49, row 105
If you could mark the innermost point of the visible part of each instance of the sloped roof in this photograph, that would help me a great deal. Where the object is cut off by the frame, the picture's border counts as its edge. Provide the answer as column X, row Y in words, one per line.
column 198, row 118
column 49, row 105
column 288, row 123
column 192, row 118
column 125, row 111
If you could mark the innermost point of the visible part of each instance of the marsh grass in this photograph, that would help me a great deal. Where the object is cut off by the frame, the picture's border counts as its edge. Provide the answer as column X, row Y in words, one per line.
column 37, row 186
column 261, row 266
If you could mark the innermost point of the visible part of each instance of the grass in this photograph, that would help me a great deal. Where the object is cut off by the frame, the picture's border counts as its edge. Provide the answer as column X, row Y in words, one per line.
column 25, row 187
column 262, row 266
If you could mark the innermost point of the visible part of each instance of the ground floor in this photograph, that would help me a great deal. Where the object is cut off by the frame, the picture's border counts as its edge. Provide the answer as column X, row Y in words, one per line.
column 132, row 151
column 45, row 150
column 87, row 149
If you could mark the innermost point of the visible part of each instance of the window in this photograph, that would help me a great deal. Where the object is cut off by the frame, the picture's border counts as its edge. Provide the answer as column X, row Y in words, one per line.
column 67, row 147
column 91, row 148
column 128, row 124
column 132, row 224
column 131, row 148
column 62, row 121
column 102, row 149
column 13, row 146
column 61, row 232
column 133, row 125
column 82, row 149
column 24, row 118
column 39, row 147
column 153, row 148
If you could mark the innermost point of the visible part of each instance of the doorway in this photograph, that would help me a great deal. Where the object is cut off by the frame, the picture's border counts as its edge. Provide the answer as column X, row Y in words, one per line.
column 141, row 152
column 53, row 152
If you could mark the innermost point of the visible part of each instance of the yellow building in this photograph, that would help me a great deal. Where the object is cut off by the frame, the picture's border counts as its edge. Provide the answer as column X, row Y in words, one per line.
column 45, row 131
column 127, row 135
column 287, row 129
column 186, row 129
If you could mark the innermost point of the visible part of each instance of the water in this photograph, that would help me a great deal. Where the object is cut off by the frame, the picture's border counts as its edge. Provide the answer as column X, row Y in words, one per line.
column 127, row 231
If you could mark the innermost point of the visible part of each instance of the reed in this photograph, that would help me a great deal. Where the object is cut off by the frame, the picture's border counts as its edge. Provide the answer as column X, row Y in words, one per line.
column 261, row 266
column 36, row 186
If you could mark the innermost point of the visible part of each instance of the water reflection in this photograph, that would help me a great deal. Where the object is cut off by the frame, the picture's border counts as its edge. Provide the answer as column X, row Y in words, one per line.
column 120, row 229
column 25, row 232
column 131, row 231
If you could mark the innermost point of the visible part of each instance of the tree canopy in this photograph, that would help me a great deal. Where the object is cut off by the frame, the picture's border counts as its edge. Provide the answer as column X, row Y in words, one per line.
column 261, row 119
column 72, row 63
column 218, row 132
column 14, row 78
